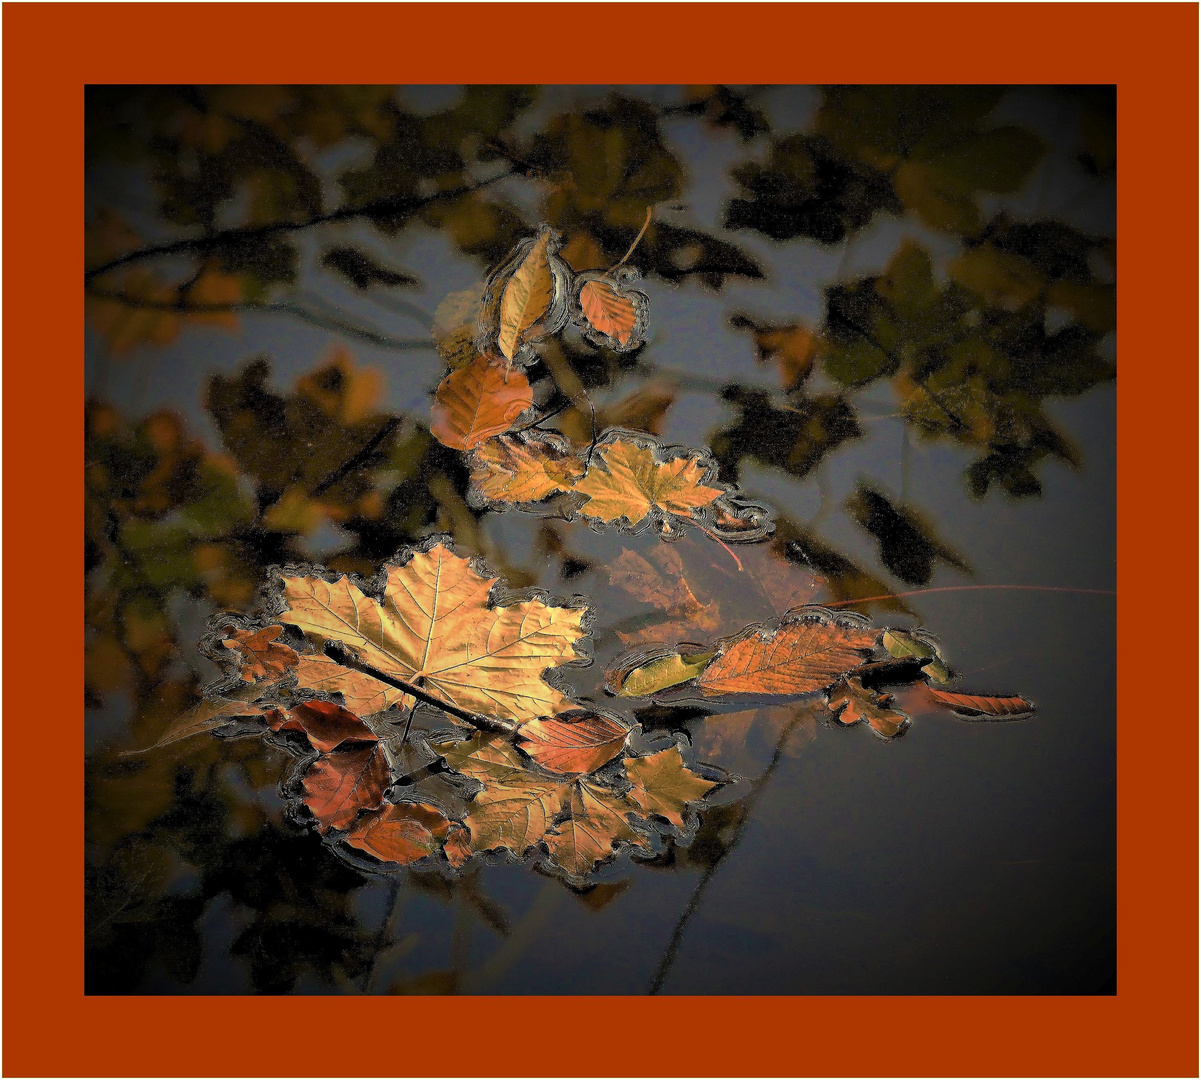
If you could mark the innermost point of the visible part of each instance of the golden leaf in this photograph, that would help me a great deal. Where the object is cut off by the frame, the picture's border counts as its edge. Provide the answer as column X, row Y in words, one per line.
column 632, row 484
column 488, row 758
column 362, row 694
column 435, row 629
column 851, row 702
column 514, row 816
column 806, row 651
column 663, row 786
column 526, row 298
column 598, row 821
column 478, row 401
column 578, row 741
column 523, row 468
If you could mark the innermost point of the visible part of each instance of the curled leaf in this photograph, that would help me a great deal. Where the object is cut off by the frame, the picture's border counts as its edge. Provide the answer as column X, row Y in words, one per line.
column 579, row 741
column 525, row 298
column 851, row 702
column 920, row 645
column 478, row 401
column 642, row 673
column 401, row 832
column 262, row 656
column 982, row 707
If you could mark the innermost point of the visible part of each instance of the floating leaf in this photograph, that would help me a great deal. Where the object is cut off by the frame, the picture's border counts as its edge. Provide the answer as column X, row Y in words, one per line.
column 204, row 716
column 610, row 312
column 338, row 785
column 478, row 401
column 526, row 298
column 599, row 819
column 514, row 816
column 362, row 695
column 626, row 481
column 663, row 786
column 325, row 724
column 641, row 674
column 523, row 468
column 435, row 629
column 807, row 650
column 575, row 742
column 851, row 702
column 984, row 707
column 488, row 758
column 262, row 656
column 920, row 645
column 401, row 832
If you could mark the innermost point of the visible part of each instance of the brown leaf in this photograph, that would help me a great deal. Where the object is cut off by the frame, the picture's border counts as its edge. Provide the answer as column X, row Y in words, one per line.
column 325, row 724
column 524, row 468
column 616, row 313
column 664, row 786
column 338, row 785
column 490, row 759
column 205, row 716
column 575, row 742
column 262, row 656
column 977, row 705
column 514, row 816
column 363, row 695
column 436, row 629
column 401, row 832
column 458, row 844
column 599, row 819
column 478, row 401
column 851, row 702
column 808, row 650
column 526, row 298
column 642, row 410
column 625, row 480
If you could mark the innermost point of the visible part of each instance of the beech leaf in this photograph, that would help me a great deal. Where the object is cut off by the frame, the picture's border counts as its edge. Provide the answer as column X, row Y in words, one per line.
column 978, row 706
column 478, row 401
column 610, row 313
column 338, row 785
column 575, row 742
column 401, row 832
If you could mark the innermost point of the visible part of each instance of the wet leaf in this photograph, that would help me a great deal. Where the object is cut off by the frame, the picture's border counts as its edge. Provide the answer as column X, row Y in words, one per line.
column 574, row 742
column 436, row 629
column 679, row 616
column 514, row 816
column 599, row 819
column 338, row 785
column 401, row 832
column 362, row 695
column 641, row 674
column 204, row 716
column 917, row 643
column 612, row 313
column 524, row 468
column 664, row 786
column 527, row 297
column 490, row 759
column 807, row 650
column 478, row 401
column 983, row 707
column 851, row 702
column 325, row 724
column 262, row 656
column 626, row 481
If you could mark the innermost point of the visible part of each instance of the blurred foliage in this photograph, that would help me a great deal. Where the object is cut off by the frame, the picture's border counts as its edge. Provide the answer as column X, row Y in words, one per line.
column 249, row 192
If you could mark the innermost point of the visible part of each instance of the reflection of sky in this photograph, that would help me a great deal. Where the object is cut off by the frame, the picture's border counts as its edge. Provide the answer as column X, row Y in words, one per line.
column 1047, row 786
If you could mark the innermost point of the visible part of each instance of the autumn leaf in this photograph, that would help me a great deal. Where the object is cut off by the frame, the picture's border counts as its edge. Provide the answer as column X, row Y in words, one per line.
column 478, row 401
column 625, row 481
column 531, row 302
column 792, row 348
column 523, row 468
column 262, row 656
column 575, row 742
column 362, row 695
column 205, row 715
column 454, row 326
column 851, row 702
column 489, row 758
column 611, row 313
column 325, row 724
column 921, row 646
column 599, row 819
column 338, row 785
column 978, row 706
column 643, row 673
column 514, row 815
column 435, row 629
column 401, row 832
column 664, row 786
column 807, row 650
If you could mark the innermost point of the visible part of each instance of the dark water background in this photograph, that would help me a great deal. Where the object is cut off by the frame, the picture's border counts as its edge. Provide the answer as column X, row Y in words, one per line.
column 961, row 858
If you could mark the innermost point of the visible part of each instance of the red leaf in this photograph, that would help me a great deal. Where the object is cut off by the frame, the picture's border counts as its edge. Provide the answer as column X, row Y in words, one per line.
column 994, row 708
column 574, row 742
column 608, row 311
column 401, row 832
column 327, row 725
column 339, row 785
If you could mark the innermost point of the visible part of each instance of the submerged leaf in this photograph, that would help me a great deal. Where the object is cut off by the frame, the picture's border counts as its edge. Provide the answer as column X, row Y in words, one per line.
column 401, row 832
column 575, row 742
column 851, row 701
column 524, row 468
column 808, row 650
column 262, row 656
column 478, row 401
column 664, row 786
column 205, row 716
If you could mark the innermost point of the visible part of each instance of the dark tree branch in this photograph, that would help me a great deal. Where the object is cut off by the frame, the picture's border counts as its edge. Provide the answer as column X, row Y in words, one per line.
column 389, row 427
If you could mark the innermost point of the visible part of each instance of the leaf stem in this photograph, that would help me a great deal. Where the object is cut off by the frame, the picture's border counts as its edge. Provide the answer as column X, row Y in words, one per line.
column 641, row 232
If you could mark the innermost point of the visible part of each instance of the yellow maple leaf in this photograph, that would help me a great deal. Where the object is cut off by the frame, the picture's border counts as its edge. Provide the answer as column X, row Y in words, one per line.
column 523, row 468
column 632, row 484
column 436, row 630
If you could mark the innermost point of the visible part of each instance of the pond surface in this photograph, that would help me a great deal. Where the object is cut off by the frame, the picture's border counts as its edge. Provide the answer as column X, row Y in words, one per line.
column 888, row 313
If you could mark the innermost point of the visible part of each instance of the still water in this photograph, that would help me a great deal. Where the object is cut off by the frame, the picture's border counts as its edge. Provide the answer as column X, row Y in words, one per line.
column 888, row 313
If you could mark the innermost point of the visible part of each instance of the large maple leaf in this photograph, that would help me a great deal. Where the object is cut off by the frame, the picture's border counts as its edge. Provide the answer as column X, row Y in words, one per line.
column 436, row 629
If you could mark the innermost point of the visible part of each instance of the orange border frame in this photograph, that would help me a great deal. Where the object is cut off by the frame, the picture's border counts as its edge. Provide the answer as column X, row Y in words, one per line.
column 1149, row 50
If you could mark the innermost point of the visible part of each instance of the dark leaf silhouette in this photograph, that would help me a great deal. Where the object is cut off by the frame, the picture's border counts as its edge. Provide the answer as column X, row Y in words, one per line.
column 363, row 272
column 908, row 547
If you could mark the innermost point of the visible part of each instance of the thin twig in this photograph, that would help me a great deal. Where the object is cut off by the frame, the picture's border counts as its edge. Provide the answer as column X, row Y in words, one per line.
column 389, row 427
column 645, row 225
column 971, row 588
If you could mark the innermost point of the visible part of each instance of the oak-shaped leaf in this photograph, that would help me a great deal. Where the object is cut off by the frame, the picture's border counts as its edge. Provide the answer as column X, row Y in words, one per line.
column 852, row 702
column 609, row 311
column 477, row 401
column 325, row 724
column 578, row 741
column 523, row 468
column 340, row 784
column 599, row 819
column 262, row 656
column 982, row 706
column 663, row 785
column 806, row 650
column 525, row 298
column 402, row 832
column 435, row 628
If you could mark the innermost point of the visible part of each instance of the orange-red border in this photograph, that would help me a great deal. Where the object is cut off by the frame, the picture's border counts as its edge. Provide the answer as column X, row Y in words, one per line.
column 52, row 50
